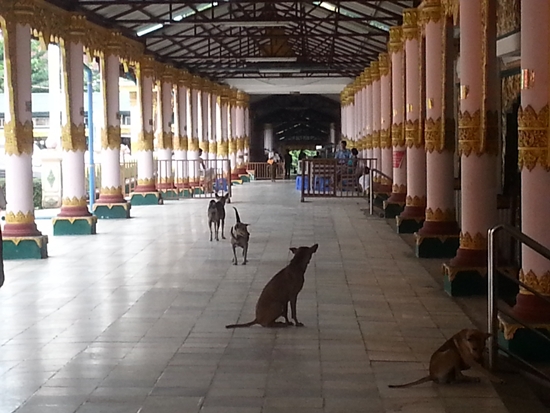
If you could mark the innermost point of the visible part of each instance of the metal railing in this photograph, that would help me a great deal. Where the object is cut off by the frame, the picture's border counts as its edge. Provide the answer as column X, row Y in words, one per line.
column 492, row 300
column 263, row 170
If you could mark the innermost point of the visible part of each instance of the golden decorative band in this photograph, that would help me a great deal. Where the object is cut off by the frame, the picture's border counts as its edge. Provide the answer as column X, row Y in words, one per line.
column 146, row 181
column 19, row 138
column 397, row 135
column 376, row 139
column 165, row 180
column 19, row 217
column 193, row 144
column 205, row 146
column 410, row 24
column 413, row 134
column 368, row 141
column 223, row 149
column 164, row 140
column 240, row 144
column 399, row 189
column 533, row 142
column 476, row 242
column 232, row 146
column 384, row 64
column 180, row 180
column 111, row 190
column 438, row 137
column 180, row 143
column 472, row 137
column 385, row 138
column 110, row 137
column 213, row 147
column 416, row 201
column 396, row 39
column 431, row 11
column 449, row 215
column 74, row 202
column 144, row 142
column 73, row 137
column 540, row 284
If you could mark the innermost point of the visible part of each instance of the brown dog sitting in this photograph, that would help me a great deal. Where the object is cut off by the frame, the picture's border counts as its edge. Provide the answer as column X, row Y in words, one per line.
column 283, row 288
column 462, row 351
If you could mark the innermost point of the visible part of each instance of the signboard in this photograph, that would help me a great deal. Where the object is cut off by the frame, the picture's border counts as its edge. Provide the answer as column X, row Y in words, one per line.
column 398, row 158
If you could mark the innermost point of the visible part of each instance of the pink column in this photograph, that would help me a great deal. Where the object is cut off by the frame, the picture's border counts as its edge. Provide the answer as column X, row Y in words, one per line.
column 411, row 218
column 477, row 132
column 239, row 113
column 73, row 136
column 223, row 145
column 357, row 114
column 399, row 189
column 181, row 136
column 376, row 151
column 439, row 234
column 385, row 124
column 368, row 112
column 246, row 128
column 343, row 113
column 164, row 135
column 362, row 147
column 233, row 133
column 534, row 162
column 142, row 142
column 111, row 199
column 18, row 132
column 213, row 144
column 195, row 125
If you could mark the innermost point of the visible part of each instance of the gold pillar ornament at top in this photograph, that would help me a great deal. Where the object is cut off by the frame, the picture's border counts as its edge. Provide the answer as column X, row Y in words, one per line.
column 410, row 24
column 396, row 39
column 533, row 141
column 384, row 64
column 438, row 215
column 110, row 137
column 19, row 138
column 413, row 134
column 397, row 135
column 73, row 137
column 164, row 140
column 470, row 134
column 431, row 11
column 477, row 242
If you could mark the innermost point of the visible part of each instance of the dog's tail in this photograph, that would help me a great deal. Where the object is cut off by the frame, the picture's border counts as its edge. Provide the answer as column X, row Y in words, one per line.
column 237, row 215
column 412, row 383
column 242, row 325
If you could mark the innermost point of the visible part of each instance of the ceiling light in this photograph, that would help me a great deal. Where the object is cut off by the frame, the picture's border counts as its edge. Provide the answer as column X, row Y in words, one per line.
column 255, row 24
column 279, row 70
column 149, row 29
column 270, row 59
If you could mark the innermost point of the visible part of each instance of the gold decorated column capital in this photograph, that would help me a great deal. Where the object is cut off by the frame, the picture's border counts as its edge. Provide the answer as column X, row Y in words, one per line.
column 384, row 64
column 147, row 66
column 73, row 137
column 76, row 27
column 113, row 44
column 110, row 137
column 144, row 142
column 410, row 24
column 19, row 138
column 395, row 44
column 184, row 78
column 431, row 11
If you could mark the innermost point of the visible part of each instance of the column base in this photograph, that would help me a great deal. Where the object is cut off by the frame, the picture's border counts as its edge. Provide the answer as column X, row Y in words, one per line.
column 74, row 225
column 169, row 193
column 112, row 211
column 236, row 181
column 522, row 342
column 185, row 192
column 146, row 198
column 244, row 178
column 436, row 246
column 392, row 209
column 408, row 225
column 25, row 248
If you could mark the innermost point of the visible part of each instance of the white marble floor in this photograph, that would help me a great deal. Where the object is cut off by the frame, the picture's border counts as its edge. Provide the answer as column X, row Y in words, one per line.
column 132, row 319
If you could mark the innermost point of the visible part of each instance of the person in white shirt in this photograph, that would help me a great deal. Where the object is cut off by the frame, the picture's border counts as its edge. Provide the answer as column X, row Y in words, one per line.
column 364, row 180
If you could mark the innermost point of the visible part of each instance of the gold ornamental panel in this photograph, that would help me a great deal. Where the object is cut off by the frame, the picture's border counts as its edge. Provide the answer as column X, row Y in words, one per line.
column 73, row 138
column 539, row 283
column 413, row 134
column 110, row 137
column 368, row 141
column 19, row 217
column 112, row 190
column 74, row 202
column 415, row 201
column 180, row 143
column 232, row 146
column 433, row 135
column 399, row 189
column 240, row 144
column 205, row 146
column 396, row 39
column 510, row 91
column 410, row 24
column 164, row 140
column 384, row 64
column 508, row 17
column 146, row 182
column 476, row 242
column 144, row 142
column 223, row 149
column 376, row 139
column 213, row 147
column 449, row 215
column 533, row 142
column 397, row 135
column 385, row 138
column 431, row 11
column 19, row 138
column 193, row 144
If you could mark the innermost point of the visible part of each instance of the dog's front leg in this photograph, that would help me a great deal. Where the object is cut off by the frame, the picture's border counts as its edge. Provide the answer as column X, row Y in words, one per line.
column 234, row 255
column 245, row 253
column 293, row 310
column 285, row 315
column 217, row 231
column 223, row 226
column 210, row 226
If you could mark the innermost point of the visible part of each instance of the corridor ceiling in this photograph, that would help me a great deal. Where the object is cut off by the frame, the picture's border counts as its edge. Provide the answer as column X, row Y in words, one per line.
column 245, row 39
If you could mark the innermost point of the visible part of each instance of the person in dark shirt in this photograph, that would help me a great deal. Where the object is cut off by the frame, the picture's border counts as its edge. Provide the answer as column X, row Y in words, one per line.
column 288, row 163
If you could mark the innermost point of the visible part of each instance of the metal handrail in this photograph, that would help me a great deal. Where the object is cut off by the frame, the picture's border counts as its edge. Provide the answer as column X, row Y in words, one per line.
column 492, row 313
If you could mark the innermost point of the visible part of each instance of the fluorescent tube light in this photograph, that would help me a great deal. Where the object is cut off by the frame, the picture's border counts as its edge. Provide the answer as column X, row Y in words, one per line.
column 255, row 24
column 149, row 29
column 279, row 70
column 270, row 59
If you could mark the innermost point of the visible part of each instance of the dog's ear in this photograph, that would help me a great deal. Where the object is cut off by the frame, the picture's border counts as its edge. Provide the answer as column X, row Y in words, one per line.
column 314, row 248
column 294, row 250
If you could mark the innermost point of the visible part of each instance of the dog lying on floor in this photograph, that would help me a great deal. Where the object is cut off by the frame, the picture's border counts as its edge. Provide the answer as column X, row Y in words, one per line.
column 281, row 290
column 462, row 351
column 239, row 238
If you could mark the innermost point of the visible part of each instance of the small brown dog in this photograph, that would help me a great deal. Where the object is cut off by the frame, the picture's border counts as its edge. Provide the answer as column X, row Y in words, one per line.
column 462, row 351
column 283, row 288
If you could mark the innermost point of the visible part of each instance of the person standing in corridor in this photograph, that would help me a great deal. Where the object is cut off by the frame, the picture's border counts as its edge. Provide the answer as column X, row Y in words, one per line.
column 288, row 163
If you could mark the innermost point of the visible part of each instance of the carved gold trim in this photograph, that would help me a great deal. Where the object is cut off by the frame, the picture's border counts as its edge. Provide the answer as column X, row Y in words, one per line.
column 376, row 139
column 74, row 202
column 73, row 137
column 431, row 11
column 398, row 135
column 19, row 138
column 368, row 141
column 449, row 215
column 164, row 140
column 470, row 136
column 384, row 64
column 533, row 142
column 415, row 201
column 508, row 17
column 146, row 181
column 539, row 283
column 396, row 39
column 110, row 137
column 399, row 189
column 111, row 190
column 413, row 134
column 410, row 24
column 19, row 217
column 510, row 91
column 476, row 242
column 451, row 8
column 385, row 138
column 165, row 180
column 180, row 143
column 432, row 134
column 223, row 149
column 193, row 144
column 205, row 146
column 213, row 147
column 144, row 142
column 240, row 143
